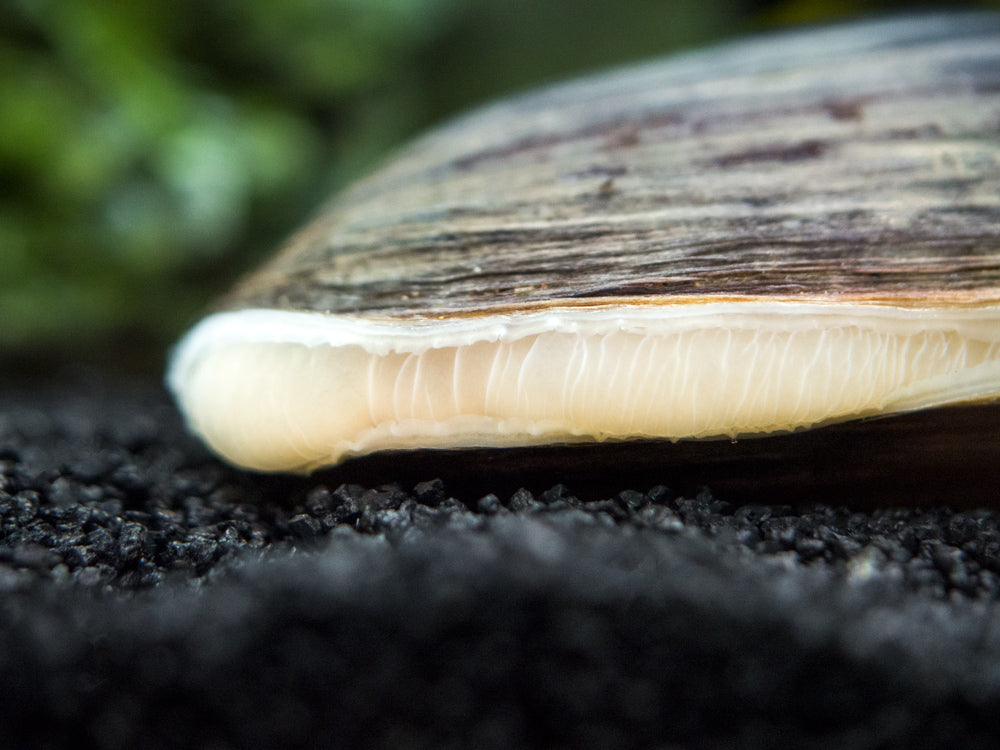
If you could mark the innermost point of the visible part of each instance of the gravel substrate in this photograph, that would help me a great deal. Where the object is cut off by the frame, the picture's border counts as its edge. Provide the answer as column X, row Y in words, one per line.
column 152, row 597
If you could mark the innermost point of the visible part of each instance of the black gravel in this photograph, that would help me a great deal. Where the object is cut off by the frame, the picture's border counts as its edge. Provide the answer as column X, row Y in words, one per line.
column 152, row 597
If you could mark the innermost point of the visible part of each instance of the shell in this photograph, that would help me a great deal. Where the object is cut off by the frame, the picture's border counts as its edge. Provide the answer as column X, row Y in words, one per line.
column 765, row 236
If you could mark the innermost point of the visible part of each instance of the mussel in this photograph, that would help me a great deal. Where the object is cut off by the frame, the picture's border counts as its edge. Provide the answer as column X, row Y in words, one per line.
column 766, row 236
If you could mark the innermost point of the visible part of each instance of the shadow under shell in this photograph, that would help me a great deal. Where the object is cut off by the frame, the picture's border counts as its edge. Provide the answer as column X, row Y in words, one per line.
column 948, row 456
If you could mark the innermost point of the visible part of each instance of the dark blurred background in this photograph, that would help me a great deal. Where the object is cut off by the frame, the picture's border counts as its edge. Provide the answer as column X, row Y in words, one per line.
column 151, row 152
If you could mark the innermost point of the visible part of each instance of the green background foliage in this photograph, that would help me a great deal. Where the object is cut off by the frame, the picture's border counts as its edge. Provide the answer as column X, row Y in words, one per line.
column 151, row 152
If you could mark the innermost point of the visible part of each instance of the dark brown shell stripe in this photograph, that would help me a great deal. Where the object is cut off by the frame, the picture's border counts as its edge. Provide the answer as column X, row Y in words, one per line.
column 862, row 162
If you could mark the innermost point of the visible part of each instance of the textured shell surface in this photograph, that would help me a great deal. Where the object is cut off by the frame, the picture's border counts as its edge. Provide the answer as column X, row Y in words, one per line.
column 763, row 236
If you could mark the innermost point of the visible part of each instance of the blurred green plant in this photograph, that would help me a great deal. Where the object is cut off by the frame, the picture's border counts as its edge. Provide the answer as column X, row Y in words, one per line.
column 151, row 151
column 142, row 144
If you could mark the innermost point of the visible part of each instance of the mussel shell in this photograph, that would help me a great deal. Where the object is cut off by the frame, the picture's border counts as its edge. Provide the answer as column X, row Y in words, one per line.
column 844, row 178
column 860, row 162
